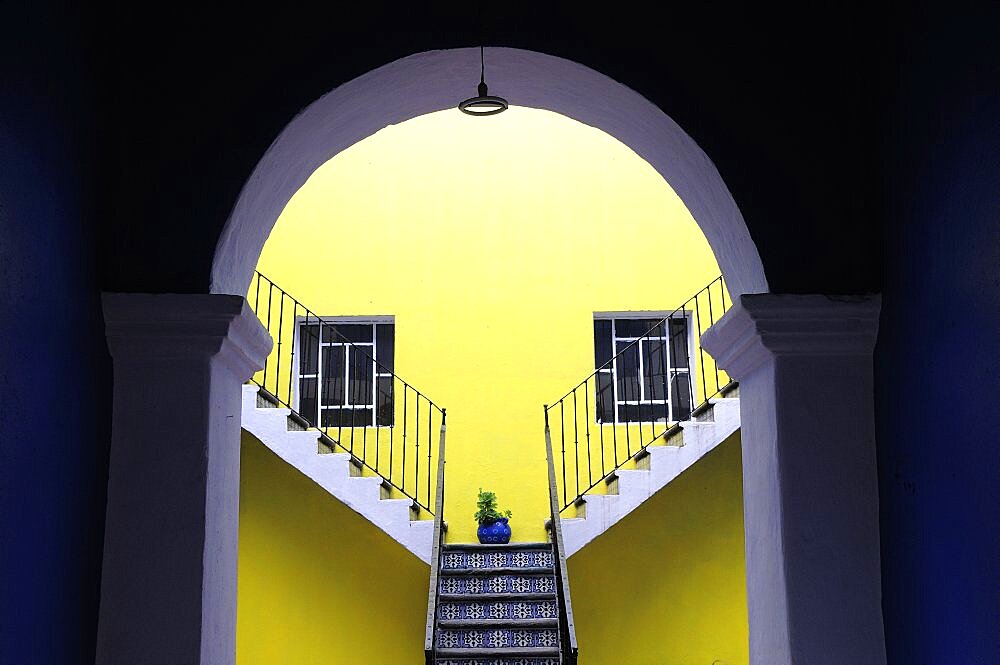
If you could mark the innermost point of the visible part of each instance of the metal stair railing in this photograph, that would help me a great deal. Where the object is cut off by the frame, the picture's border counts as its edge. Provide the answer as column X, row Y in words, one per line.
column 438, row 540
column 389, row 420
column 567, row 627
column 639, row 396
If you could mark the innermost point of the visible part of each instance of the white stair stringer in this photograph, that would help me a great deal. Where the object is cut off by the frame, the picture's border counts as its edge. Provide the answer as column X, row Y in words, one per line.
column 666, row 462
column 332, row 472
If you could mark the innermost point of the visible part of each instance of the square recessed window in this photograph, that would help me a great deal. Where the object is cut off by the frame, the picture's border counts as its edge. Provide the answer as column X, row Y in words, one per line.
column 345, row 371
column 643, row 367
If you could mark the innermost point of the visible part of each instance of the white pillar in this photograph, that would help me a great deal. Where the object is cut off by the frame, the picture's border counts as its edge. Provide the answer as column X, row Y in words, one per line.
column 804, row 363
column 168, row 587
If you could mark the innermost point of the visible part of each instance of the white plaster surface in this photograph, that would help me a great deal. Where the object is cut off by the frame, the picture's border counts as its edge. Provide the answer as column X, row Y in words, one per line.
column 438, row 80
column 804, row 363
column 636, row 486
column 168, row 585
column 332, row 472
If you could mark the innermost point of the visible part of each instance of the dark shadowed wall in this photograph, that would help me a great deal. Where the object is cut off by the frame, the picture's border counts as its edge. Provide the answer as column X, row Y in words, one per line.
column 54, row 369
column 784, row 114
column 938, row 355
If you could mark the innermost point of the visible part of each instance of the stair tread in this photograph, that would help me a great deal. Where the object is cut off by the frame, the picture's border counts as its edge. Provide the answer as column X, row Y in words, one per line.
column 498, row 651
column 498, row 623
column 513, row 596
column 548, row 570
column 507, row 546
column 488, row 659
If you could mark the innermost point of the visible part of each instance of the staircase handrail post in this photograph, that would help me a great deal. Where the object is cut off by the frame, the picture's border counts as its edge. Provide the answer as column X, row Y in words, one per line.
column 436, row 543
column 567, row 626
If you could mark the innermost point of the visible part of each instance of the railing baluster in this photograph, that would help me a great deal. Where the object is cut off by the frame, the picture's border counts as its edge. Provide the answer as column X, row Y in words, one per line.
column 256, row 300
column 562, row 435
column 586, row 420
column 302, row 360
column 371, row 421
column 711, row 319
column 341, row 393
column 392, row 427
column 576, row 444
column 352, row 386
column 430, row 429
column 665, row 371
column 406, row 388
column 375, row 423
column 701, row 351
column 281, row 321
column 673, row 369
column 614, row 408
column 600, row 424
column 628, row 432
column 416, row 471
column 322, row 378
column 270, row 290
column 291, row 356
column 642, row 386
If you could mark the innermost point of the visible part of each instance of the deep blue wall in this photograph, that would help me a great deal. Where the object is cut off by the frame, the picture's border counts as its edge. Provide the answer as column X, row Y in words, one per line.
column 938, row 355
column 54, row 374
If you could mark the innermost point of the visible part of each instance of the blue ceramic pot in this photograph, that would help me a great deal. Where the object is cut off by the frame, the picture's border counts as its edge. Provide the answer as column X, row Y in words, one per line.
column 495, row 533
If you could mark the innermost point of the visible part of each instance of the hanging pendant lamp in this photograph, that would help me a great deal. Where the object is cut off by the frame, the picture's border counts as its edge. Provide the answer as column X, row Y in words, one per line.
column 483, row 103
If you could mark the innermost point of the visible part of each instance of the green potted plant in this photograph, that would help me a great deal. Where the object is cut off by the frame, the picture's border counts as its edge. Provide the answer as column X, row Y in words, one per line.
column 493, row 527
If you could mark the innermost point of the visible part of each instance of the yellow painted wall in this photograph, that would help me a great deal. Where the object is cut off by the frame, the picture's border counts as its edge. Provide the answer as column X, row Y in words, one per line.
column 492, row 241
column 666, row 585
column 317, row 582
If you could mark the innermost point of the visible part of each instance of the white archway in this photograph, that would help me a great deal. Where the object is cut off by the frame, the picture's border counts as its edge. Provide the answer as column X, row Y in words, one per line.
column 804, row 363
column 438, row 80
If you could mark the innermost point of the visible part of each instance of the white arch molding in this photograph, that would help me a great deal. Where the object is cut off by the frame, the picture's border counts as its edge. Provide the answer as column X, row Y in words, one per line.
column 804, row 364
column 438, row 80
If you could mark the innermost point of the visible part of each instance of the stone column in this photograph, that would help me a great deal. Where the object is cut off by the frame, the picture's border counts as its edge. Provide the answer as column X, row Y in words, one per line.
column 168, row 588
column 804, row 363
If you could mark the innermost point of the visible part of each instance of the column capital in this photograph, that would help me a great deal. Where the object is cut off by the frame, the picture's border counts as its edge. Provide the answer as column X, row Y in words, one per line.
column 762, row 326
column 157, row 327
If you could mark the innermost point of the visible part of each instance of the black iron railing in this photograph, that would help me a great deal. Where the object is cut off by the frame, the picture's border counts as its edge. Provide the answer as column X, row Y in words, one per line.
column 338, row 376
column 651, row 374
column 567, row 625
column 430, row 638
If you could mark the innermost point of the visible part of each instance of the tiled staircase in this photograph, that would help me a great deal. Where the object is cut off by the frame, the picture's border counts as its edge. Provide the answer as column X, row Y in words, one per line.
column 337, row 472
column 497, row 605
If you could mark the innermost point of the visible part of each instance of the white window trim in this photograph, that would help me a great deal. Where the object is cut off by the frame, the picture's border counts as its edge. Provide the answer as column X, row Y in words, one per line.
column 334, row 320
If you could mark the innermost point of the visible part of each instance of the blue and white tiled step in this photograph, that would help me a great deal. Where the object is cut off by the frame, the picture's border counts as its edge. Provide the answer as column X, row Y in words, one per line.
column 500, row 637
column 502, row 660
column 517, row 608
column 479, row 557
column 497, row 605
column 509, row 581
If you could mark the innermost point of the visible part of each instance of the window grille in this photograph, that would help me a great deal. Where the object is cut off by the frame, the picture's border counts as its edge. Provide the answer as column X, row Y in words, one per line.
column 345, row 372
column 643, row 369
